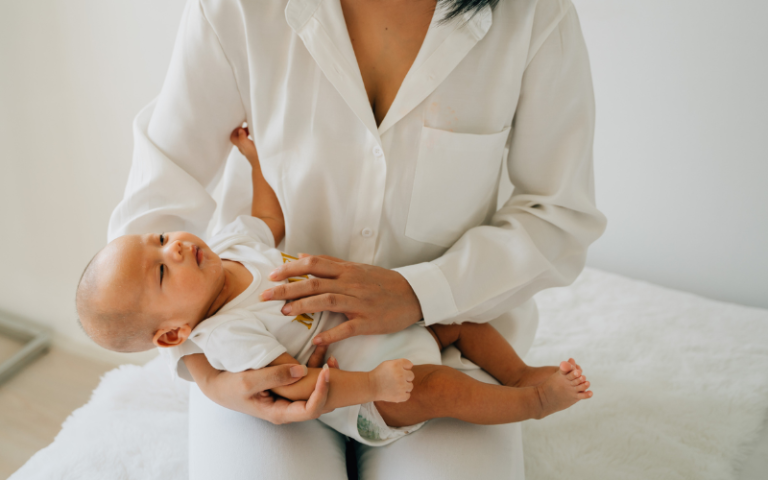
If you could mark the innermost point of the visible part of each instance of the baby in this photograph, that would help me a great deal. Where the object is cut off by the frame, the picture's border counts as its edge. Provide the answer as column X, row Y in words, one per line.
column 174, row 291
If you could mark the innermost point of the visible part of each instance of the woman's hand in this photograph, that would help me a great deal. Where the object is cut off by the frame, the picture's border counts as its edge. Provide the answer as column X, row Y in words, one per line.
column 248, row 392
column 374, row 299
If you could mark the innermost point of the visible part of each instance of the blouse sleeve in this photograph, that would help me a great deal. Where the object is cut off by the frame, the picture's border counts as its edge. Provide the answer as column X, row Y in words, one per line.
column 539, row 237
column 181, row 139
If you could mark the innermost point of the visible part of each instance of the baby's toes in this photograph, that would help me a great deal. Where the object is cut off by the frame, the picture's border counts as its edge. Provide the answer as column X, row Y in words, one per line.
column 584, row 395
column 579, row 380
column 583, row 387
column 573, row 362
column 574, row 375
column 565, row 368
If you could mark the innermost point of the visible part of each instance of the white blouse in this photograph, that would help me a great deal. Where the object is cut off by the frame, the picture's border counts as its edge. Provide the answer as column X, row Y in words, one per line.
column 416, row 193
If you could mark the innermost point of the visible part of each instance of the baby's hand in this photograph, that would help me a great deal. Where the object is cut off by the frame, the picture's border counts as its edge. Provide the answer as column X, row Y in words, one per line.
column 393, row 380
column 239, row 138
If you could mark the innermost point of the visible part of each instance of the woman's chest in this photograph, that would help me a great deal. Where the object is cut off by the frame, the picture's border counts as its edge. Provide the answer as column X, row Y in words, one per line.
column 386, row 38
column 427, row 170
column 307, row 75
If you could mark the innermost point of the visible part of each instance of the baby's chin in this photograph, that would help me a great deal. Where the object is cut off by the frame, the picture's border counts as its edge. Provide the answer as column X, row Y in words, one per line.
column 213, row 265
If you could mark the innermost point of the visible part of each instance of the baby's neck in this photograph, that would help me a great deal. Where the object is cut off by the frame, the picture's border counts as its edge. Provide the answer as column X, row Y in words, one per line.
column 236, row 279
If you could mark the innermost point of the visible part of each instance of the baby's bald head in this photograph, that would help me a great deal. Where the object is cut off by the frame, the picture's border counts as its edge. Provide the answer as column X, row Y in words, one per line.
column 151, row 289
column 108, row 301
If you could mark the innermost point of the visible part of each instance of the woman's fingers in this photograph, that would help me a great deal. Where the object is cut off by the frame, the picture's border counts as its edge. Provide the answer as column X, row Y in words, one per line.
column 303, row 288
column 268, row 378
column 327, row 257
column 311, row 265
column 278, row 410
column 317, row 357
column 348, row 329
column 268, row 407
column 375, row 299
column 332, row 362
column 333, row 302
column 315, row 405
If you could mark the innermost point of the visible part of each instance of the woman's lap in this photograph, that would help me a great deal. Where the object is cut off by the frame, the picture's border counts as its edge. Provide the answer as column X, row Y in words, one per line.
column 447, row 449
column 228, row 444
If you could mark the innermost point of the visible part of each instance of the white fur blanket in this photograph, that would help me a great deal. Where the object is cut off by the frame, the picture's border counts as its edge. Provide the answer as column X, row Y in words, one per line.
column 680, row 391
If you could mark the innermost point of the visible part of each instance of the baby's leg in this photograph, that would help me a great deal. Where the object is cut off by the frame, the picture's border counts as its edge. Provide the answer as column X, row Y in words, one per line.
column 485, row 346
column 440, row 391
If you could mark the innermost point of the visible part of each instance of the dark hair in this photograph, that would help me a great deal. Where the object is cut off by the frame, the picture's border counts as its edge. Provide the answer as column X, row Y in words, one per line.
column 459, row 7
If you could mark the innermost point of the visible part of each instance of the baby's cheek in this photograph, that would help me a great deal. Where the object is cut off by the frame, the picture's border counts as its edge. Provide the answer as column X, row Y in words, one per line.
column 194, row 296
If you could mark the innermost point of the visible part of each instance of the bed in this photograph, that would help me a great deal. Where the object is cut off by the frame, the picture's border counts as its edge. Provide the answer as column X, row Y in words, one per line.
column 680, row 382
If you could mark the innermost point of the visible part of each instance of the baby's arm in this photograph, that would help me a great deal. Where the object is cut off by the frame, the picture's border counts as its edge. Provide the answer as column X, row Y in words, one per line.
column 389, row 382
column 265, row 204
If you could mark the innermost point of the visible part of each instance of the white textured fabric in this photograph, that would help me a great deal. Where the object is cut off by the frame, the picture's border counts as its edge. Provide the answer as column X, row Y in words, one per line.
column 680, row 392
column 416, row 193
column 680, row 384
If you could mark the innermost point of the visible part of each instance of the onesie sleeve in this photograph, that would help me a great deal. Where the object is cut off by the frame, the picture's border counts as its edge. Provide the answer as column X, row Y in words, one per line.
column 248, row 226
column 181, row 139
column 538, row 239
column 240, row 344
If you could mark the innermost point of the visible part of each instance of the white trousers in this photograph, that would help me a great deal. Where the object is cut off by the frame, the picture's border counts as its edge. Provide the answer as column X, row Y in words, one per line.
column 227, row 444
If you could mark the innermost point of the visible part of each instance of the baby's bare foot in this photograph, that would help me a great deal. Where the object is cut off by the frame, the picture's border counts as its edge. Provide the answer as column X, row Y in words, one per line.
column 562, row 389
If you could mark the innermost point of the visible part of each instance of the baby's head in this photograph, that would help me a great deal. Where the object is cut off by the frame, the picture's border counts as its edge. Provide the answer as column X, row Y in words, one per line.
column 148, row 290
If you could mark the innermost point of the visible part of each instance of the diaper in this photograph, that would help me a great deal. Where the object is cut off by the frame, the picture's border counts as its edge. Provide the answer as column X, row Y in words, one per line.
column 364, row 353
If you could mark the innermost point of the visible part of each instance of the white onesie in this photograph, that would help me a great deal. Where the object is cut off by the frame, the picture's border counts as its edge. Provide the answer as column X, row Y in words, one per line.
column 248, row 333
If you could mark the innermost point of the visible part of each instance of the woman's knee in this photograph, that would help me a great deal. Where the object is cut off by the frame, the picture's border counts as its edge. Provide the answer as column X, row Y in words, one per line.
column 228, row 444
column 447, row 449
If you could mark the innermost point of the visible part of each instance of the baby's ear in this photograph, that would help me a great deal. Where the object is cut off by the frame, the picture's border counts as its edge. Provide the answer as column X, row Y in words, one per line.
column 171, row 337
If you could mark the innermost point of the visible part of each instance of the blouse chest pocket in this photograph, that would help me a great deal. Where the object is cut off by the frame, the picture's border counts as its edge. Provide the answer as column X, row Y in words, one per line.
column 454, row 184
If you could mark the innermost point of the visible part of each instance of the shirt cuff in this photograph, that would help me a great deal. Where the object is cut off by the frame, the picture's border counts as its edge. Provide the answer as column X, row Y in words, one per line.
column 433, row 291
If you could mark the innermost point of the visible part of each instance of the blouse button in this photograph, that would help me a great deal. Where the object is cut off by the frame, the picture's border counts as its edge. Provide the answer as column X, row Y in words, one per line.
column 378, row 151
column 367, row 232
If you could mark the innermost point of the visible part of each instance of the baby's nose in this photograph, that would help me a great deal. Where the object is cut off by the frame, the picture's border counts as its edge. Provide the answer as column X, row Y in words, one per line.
column 174, row 250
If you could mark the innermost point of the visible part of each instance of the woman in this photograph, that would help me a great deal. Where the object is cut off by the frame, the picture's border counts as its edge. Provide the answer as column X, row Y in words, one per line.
column 382, row 126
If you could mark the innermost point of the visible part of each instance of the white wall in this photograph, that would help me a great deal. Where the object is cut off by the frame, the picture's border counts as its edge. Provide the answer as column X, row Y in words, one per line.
column 72, row 76
column 681, row 155
column 681, row 104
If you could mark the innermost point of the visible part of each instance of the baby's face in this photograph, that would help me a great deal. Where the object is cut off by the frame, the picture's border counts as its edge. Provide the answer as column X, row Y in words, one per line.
column 171, row 275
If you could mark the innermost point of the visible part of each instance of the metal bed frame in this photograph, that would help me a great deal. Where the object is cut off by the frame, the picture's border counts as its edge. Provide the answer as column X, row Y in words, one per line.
column 36, row 339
